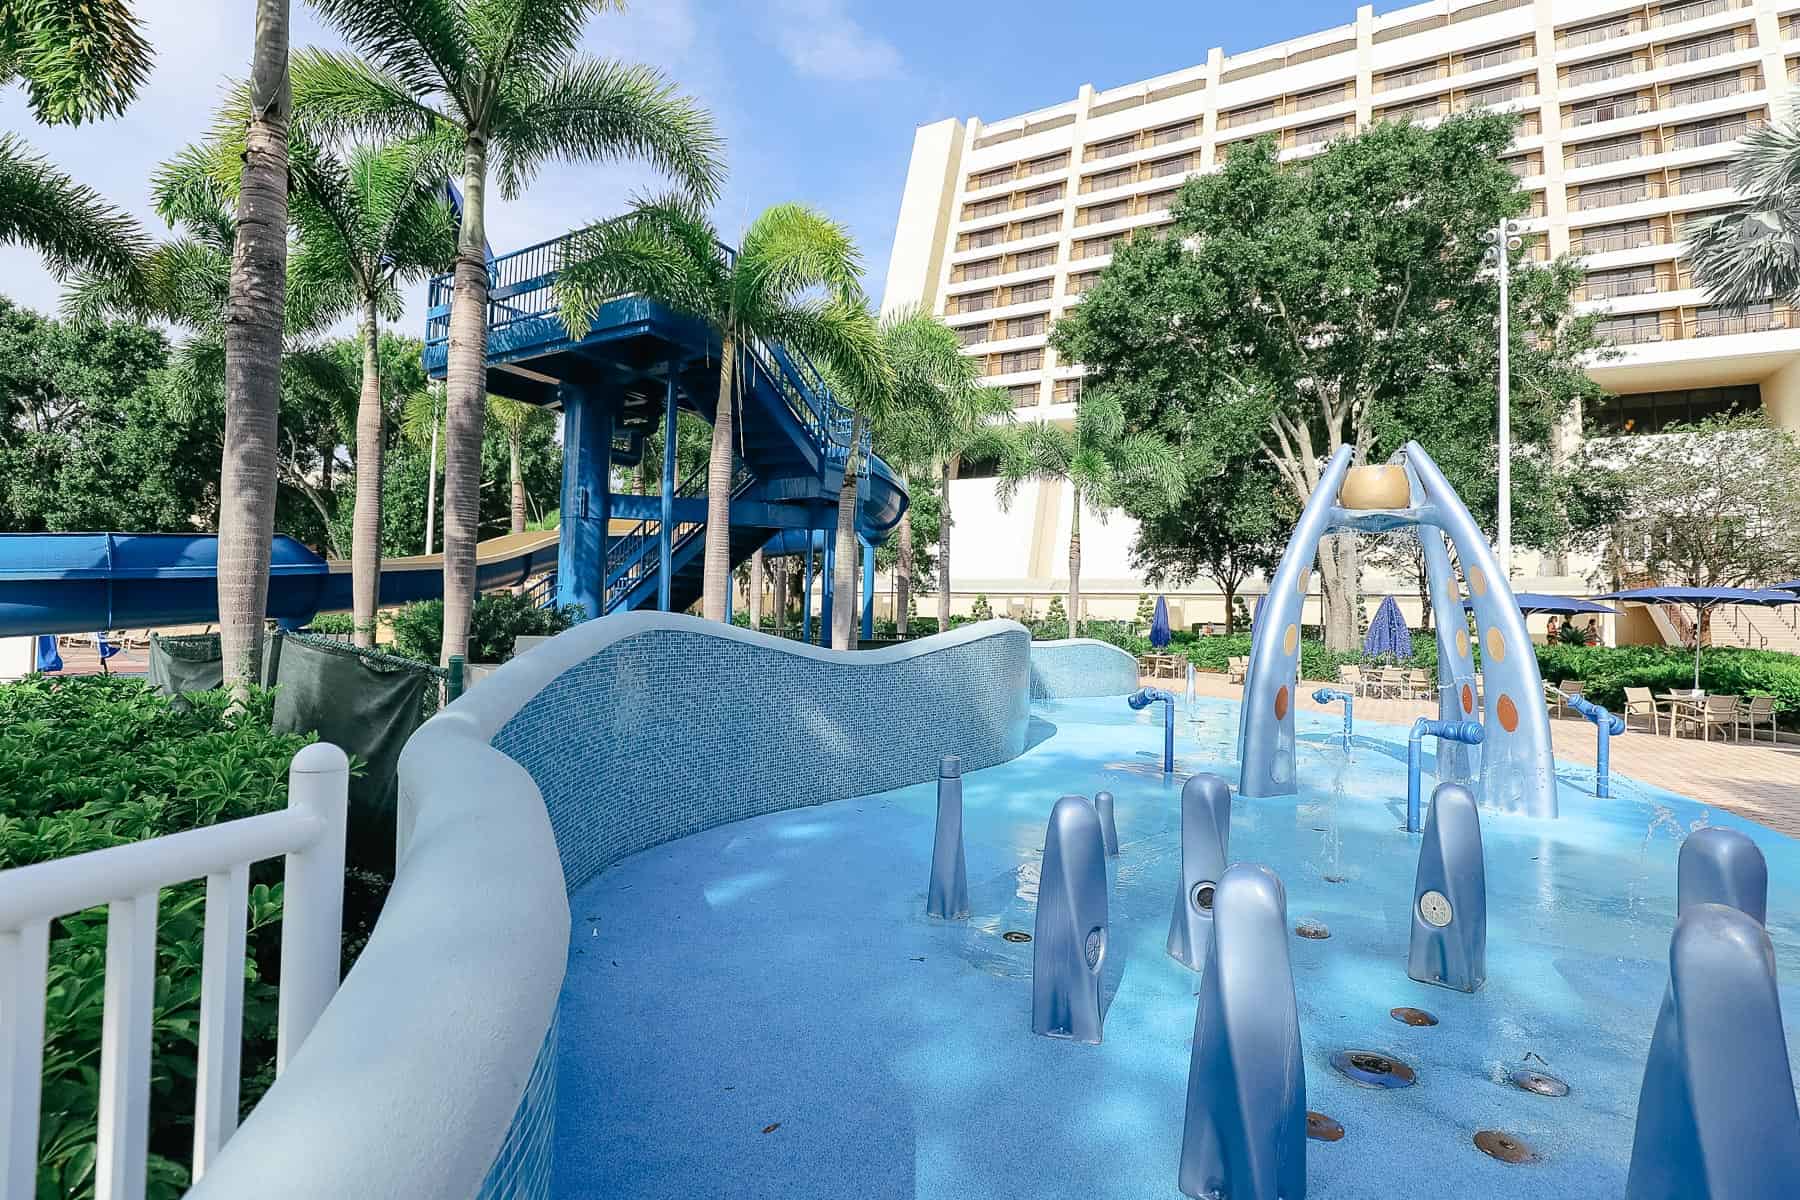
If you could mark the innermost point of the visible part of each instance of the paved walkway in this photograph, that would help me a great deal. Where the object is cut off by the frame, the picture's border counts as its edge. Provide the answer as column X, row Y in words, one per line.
column 1760, row 782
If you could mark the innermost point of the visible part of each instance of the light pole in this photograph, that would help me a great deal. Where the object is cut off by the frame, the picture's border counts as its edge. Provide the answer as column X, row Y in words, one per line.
column 1505, row 238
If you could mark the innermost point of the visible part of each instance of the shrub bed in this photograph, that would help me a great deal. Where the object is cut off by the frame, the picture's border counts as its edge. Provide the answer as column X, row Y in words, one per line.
column 498, row 620
column 1606, row 671
column 87, row 763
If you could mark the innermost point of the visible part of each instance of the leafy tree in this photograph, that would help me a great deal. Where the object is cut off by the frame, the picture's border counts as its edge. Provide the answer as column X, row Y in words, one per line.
column 1101, row 461
column 1706, row 505
column 1228, row 523
column 501, row 83
column 796, row 278
column 1342, row 301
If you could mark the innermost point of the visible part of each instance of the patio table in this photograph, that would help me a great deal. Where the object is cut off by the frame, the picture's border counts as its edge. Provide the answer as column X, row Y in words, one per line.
column 1679, row 707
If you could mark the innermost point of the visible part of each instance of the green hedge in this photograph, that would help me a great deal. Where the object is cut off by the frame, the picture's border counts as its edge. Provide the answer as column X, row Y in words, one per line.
column 1606, row 671
column 87, row 763
column 499, row 618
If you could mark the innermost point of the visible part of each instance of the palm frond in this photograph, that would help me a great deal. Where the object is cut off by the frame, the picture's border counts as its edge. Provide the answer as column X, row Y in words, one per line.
column 421, row 414
column 422, row 45
column 70, row 224
column 338, row 96
column 790, row 249
column 840, row 332
column 597, row 110
column 80, row 62
column 528, row 39
column 1749, row 254
column 663, row 247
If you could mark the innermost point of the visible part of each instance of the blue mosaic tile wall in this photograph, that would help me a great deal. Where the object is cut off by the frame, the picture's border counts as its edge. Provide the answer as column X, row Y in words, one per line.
column 521, row 1170
column 670, row 732
column 1072, row 669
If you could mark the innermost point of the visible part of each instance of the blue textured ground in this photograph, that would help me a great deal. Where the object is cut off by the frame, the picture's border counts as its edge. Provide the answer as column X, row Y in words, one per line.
column 763, row 1010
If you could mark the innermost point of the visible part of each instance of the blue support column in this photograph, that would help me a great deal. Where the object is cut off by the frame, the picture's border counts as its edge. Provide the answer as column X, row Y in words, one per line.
column 806, row 598
column 581, row 551
column 868, row 591
column 665, row 530
column 828, row 586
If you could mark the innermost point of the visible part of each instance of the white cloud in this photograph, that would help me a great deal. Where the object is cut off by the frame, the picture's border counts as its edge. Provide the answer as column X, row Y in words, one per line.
column 821, row 40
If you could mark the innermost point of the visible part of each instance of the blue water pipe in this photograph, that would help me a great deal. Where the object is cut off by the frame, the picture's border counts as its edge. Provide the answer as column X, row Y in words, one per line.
column 1469, row 733
column 1326, row 696
column 1607, row 726
column 1144, row 697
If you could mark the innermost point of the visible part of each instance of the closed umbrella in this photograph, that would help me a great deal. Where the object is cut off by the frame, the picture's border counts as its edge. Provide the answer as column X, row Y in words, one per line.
column 1159, row 625
column 1388, row 635
column 1700, row 599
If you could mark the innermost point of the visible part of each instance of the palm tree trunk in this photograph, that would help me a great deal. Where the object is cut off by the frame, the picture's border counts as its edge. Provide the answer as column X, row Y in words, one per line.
column 518, row 484
column 718, row 490
column 465, row 404
column 781, row 596
column 1074, row 559
column 431, row 484
column 903, row 578
column 944, row 546
column 845, row 584
column 756, row 591
column 365, row 523
column 253, row 325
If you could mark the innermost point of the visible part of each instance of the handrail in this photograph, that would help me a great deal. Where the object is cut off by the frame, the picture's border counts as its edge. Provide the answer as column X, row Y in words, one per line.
column 128, row 878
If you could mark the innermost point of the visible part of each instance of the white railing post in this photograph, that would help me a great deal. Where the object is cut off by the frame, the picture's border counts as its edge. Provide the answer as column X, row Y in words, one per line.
column 24, row 960
column 124, row 1143
column 312, row 918
column 217, row 1069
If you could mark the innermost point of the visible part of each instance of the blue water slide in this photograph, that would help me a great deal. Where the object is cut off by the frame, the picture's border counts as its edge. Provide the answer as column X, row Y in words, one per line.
column 83, row 582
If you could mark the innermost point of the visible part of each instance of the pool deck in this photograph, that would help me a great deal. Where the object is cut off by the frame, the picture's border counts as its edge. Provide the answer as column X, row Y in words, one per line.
column 1759, row 782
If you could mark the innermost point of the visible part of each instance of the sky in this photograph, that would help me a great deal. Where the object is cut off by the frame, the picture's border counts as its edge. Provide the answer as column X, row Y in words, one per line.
column 817, row 99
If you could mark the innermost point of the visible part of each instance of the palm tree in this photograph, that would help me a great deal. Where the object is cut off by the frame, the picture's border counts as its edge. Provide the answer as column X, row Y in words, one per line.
column 1100, row 462
column 501, row 81
column 795, row 278
column 78, row 61
column 949, row 411
column 929, row 396
column 368, row 223
column 421, row 420
column 515, row 418
column 1751, row 253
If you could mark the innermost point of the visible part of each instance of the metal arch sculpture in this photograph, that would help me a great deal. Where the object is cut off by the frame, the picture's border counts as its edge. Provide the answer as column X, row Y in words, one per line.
column 1515, row 769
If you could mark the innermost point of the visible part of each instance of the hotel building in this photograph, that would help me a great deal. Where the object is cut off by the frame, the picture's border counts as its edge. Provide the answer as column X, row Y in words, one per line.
column 1629, row 114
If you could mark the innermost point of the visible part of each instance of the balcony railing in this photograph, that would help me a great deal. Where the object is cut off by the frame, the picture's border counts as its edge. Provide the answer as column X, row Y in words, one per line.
column 1716, row 323
column 1499, row 56
column 1607, row 195
column 1699, row 51
column 1638, row 333
column 1517, row 89
column 1597, row 112
column 1690, row 136
column 1676, row 14
column 1612, row 68
column 1717, row 88
column 1395, row 80
column 1601, row 153
column 1710, row 179
column 1608, row 241
column 1636, row 284
column 1590, row 35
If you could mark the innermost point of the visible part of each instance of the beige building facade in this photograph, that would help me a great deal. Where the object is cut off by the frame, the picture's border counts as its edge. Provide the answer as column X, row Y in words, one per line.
column 1629, row 114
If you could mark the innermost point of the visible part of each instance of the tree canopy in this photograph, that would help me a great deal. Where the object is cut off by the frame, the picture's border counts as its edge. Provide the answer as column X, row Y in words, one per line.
column 1343, row 300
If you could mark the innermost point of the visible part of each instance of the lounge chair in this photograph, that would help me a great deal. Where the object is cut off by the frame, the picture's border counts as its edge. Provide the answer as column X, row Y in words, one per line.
column 1639, row 702
column 1238, row 668
column 1351, row 679
column 1758, row 709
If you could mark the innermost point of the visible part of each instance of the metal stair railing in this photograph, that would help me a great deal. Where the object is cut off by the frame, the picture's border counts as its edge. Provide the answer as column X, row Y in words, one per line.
column 634, row 556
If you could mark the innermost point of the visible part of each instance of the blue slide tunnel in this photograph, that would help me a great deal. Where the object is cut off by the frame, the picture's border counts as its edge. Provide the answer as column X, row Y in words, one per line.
column 88, row 582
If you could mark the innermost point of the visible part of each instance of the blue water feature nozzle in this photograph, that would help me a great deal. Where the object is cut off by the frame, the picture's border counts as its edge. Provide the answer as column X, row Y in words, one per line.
column 1143, row 698
column 1327, row 695
column 1469, row 733
column 1607, row 725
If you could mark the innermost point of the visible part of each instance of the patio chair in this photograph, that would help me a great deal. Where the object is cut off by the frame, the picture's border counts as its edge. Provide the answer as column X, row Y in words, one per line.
column 1351, row 677
column 1720, row 711
column 1418, row 685
column 1238, row 668
column 1639, row 702
column 1558, row 697
column 1758, row 709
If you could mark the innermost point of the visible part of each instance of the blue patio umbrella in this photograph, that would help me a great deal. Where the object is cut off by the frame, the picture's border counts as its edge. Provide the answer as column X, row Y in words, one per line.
column 1388, row 635
column 1792, row 585
column 1700, row 599
column 1159, row 625
column 48, row 659
column 1567, row 606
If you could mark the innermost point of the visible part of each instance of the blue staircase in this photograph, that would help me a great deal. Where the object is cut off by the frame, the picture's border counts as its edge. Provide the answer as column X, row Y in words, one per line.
column 614, row 383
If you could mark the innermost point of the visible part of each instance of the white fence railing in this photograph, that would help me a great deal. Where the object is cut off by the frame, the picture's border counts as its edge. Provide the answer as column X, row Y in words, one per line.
column 127, row 879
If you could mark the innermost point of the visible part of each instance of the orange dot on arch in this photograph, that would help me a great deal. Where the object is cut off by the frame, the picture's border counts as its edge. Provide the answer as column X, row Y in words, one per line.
column 1468, row 698
column 1508, row 713
column 1477, row 581
column 1281, row 703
